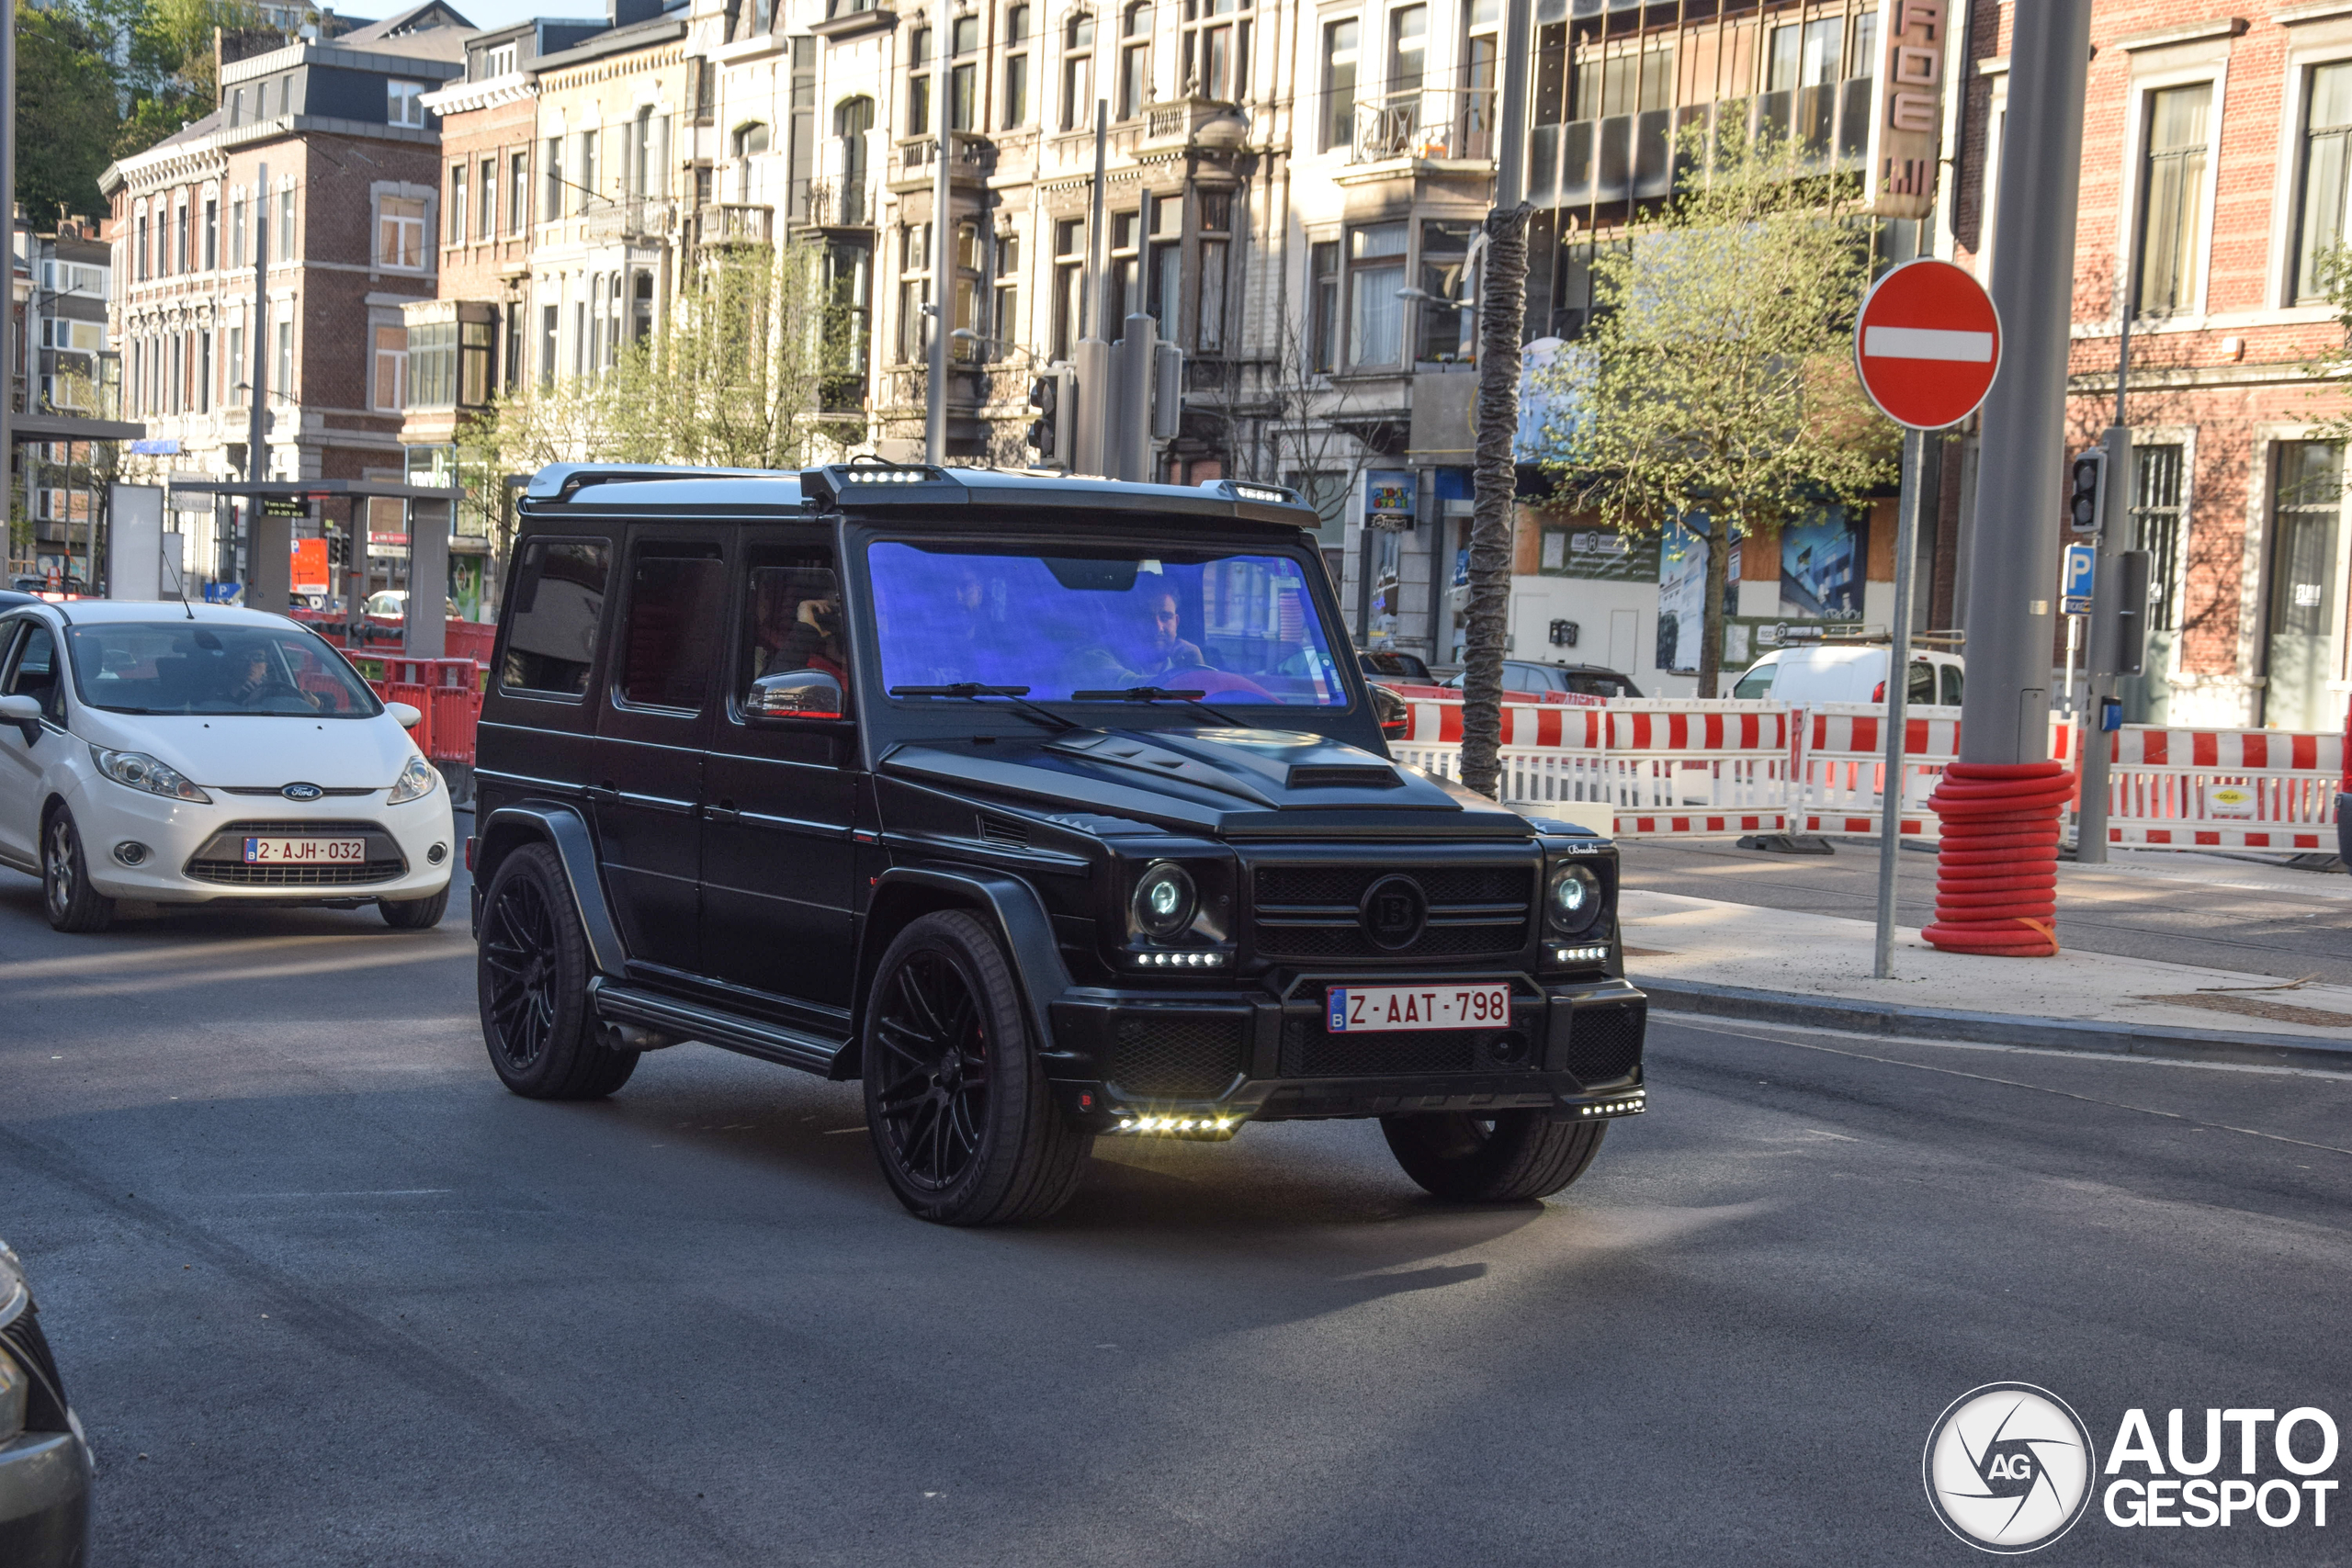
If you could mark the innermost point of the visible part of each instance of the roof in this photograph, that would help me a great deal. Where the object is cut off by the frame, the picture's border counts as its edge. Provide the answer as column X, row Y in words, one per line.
column 431, row 16
column 194, row 130
column 114, row 612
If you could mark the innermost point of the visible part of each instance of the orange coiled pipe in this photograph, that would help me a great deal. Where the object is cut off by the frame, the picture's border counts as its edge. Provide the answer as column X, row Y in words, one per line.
column 1996, row 869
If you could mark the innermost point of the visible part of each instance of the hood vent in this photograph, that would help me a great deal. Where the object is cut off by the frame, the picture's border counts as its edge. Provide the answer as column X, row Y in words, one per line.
column 1343, row 775
column 1005, row 832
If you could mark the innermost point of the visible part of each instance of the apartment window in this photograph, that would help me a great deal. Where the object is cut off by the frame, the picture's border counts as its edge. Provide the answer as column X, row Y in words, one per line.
column 236, row 231
column 2302, row 628
column 283, row 382
column 551, row 199
column 1444, row 320
column 2157, row 524
column 1323, row 285
column 179, row 240
column 237, row 107
column 918, row 83
column 142, row 258
column 1167, row 303
column 1216, row 209
column 2172, row 216
column 174, row 379
column 404, row 102
column 1216, row 60
column 1016, row 66
column 751, row 141
column 1078, row 73
column 549, row 318
column 580, row 338
column 518, row 191
column 1120, row 296
column 204, row 372
column 287, row 250
column 803, row 145
column 853, row 123
column 211, row 234
column 1375, row 273
column 237, row 357
column 391, row 368
column 487, row 186
column 400, row 232
column 1408, row 49
column 849, row 286
column 1339, row 83
column 964, row 80
column 499, row 61
column 1069, row 286
column 2327, row 168
column 967, row 284
column 914, row 290
column 1134, row 60
column 1005, row 323
column 457, row 204
column 1480, row 53
column 432, row 353
column 587, row 181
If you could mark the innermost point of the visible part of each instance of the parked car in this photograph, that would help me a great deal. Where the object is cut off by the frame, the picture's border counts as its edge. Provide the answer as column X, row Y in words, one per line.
column 1850, row 673
column 45, row 1469
column 1580, row 680
column 189, row 754
column 391, row 603
column 1384, row 664
column 1050, row 808
column 42, row 587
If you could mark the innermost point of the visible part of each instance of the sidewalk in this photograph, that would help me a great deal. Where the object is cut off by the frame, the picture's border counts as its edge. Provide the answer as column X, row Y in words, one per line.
column 1773, row 966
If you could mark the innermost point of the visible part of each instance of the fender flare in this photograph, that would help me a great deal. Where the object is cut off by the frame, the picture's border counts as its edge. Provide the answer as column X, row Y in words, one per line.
column 1019, row 913
column 563, row 828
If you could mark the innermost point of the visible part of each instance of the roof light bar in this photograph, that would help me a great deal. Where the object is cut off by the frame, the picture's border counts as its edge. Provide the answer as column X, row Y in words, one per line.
column 875, row 474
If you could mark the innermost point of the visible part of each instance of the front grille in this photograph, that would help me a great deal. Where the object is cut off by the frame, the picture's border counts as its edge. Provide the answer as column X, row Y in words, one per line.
column 273, row 789
column 45, row 1402
column 1310, row 911
column 220, row 859
column 1604, row 1043
column 1186, row 1057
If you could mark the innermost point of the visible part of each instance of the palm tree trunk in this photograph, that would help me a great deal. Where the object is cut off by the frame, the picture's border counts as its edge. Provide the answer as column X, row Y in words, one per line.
column 1499, row 326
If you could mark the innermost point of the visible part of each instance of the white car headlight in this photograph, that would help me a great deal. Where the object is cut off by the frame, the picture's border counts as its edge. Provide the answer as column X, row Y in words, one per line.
column 417, row 781
column 141, row 771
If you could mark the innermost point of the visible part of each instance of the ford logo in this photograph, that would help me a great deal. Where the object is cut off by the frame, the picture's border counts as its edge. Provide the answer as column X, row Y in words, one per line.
column 1394, row 912
column 301, row 792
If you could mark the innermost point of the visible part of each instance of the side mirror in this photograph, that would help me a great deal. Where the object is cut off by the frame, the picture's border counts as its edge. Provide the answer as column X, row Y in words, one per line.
column 409, row 717
column 796, row 694
column 24, row 713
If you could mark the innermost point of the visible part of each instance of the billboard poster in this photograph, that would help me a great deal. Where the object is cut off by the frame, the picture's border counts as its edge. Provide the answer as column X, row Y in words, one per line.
column 1388, row 498
column 1682, row 598
column 1597, row 552
column 1821, row 567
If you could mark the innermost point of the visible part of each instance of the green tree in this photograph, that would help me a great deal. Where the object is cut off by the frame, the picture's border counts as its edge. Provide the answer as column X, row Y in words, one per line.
column 67, row 101
column 1715, row 384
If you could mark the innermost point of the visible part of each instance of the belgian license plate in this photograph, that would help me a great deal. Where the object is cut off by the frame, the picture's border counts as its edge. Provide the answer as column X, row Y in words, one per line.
column 306, row 851
column 1373, row 1009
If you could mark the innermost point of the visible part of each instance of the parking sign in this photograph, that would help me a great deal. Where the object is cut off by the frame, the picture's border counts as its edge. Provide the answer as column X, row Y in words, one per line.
column 2074, row 582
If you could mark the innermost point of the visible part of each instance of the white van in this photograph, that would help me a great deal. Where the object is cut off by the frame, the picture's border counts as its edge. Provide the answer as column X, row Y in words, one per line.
column 1850, row 673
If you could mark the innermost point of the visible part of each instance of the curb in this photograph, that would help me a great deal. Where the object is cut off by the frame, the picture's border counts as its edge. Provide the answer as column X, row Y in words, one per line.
column 1992, row 1027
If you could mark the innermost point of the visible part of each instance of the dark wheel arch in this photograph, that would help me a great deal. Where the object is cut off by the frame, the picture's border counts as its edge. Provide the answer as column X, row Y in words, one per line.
column 907, row 893
column 563, row 829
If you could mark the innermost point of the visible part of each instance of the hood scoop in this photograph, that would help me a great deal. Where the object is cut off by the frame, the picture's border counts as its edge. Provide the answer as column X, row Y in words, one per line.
column 1342, row 775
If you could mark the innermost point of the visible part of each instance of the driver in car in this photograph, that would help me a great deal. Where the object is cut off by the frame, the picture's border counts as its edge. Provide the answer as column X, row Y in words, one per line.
column 1160, row 652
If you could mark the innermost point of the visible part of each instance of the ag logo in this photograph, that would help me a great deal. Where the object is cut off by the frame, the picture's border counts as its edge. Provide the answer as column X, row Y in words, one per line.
column 2008, row 1468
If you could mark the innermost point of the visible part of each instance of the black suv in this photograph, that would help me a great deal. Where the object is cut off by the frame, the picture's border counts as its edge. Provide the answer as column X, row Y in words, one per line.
column 1053, row 809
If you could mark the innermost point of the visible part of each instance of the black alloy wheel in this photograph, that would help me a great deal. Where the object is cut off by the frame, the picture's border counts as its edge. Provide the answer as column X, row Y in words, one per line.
column 956, row 1100
column 1510, row 1156
column 532, row 978
column 71, row 904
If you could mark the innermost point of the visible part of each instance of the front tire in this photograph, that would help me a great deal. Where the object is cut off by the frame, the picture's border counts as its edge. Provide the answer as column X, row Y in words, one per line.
column 414, row 914
column 956, row 1098
column 531, row 972
column 73, row 904
column 1508, row 1158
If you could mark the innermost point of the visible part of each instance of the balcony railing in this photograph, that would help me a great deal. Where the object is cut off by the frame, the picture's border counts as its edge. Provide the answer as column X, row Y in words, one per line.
column 1426, row 122
column 972, row 154
column 633, row 218
column 734, row 223
column 839, row 204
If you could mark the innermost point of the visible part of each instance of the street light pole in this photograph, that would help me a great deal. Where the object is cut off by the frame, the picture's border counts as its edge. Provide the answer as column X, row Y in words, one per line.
column 2103, row 656
column 8, row 321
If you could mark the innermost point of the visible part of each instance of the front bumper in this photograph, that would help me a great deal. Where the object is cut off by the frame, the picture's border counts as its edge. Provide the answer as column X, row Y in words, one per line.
column 45, row 1501
column 175, row 833
column 1572, row 1049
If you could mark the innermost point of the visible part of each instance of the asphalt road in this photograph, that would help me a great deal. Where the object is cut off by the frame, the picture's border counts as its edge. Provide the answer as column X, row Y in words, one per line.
column 325, row 1295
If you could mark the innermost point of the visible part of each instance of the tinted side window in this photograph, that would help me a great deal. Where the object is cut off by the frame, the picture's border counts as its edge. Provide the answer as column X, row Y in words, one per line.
column 677, row 597
column 792, row 619
column 1922, row 688
column 1524, row 678
column 1757, row 682
column 1955, row 682
column 36, row 674
column 558, row 594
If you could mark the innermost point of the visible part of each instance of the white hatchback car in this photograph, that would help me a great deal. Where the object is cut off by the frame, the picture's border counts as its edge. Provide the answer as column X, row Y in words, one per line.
column 196, row 753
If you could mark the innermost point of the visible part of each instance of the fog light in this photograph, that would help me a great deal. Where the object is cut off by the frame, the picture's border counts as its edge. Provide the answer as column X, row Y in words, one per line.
column 131, row 852
column 1579, row 954
column 436, row 854
column 1200, row 1129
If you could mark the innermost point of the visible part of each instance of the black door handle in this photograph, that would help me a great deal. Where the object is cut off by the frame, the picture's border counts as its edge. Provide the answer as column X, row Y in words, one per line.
column 601, row 794
column 723, row 812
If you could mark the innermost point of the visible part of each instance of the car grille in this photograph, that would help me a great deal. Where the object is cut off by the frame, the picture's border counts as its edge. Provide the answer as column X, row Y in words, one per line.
column 220, row 859
column 1176, row 1058
column 45, row 1401
column 1605, row 1044
column 1309, row 912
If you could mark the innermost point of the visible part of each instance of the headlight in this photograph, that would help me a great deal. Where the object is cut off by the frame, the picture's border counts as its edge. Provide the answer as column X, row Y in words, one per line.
column 1165, row 900
column 141, row 771
column 1572, row 900
column 417, row 781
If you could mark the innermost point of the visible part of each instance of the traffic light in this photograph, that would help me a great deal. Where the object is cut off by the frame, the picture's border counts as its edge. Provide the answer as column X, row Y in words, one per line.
column 1053, row 433
column 2087, row 491
column 2131, row 613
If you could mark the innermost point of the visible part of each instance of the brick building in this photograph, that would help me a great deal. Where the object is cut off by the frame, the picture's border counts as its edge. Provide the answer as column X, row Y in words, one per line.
column 329, row 147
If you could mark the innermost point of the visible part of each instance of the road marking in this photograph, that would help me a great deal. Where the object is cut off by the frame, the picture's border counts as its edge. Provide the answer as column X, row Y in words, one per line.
column 1926, row 342
column 186, row 978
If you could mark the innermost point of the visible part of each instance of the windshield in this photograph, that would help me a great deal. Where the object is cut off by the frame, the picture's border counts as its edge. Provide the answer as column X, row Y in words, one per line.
column 193, row 668
column 1239, row 629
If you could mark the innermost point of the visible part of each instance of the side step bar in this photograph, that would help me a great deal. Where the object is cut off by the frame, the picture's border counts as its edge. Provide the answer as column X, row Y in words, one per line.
column 768, row 1041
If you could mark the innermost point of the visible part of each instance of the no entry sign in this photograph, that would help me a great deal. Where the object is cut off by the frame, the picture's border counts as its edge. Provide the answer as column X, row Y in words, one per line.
column 1927, row 345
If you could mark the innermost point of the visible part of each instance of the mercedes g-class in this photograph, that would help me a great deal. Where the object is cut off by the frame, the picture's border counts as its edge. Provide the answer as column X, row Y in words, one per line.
column 1052, row 809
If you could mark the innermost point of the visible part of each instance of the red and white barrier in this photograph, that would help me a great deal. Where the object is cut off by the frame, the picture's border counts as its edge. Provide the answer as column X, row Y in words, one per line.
column 2254, row 789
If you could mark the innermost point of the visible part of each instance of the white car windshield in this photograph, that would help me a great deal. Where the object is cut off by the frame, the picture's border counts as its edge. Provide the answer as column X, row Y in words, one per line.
column 189, row 667
column 1240, row 629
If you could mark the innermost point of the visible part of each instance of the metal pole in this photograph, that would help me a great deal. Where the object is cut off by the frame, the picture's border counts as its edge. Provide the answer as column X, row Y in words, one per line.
column 1091, row 358
column 935, row 436
column 1898, row 694
column 8, row 318
column 2014, row 548
column 256, row 377
column 2103, row 653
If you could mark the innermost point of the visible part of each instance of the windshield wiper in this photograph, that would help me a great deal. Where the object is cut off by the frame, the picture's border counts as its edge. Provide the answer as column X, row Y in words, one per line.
column 973, row 691
column 1156, row 695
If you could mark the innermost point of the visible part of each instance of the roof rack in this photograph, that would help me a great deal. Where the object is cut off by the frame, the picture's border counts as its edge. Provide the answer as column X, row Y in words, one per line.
column 559, row 481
